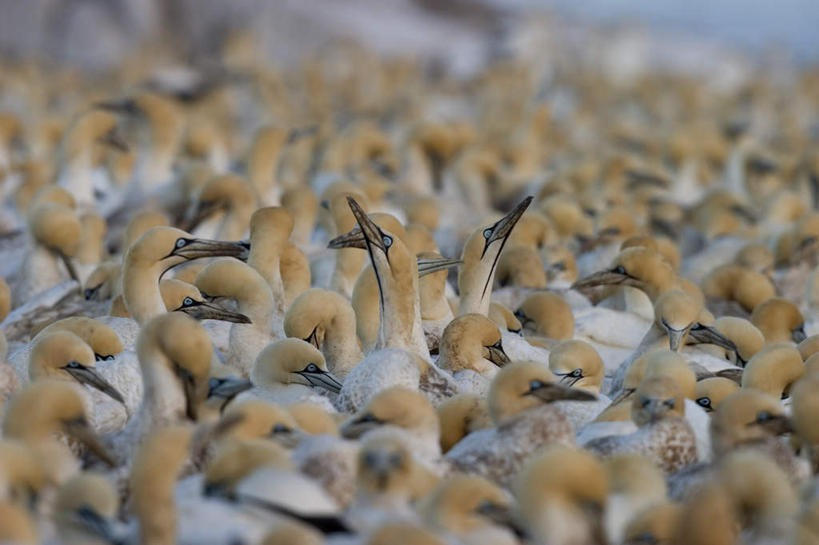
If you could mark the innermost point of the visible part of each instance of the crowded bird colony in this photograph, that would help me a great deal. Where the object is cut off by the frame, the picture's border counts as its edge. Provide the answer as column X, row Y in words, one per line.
column 360, row 300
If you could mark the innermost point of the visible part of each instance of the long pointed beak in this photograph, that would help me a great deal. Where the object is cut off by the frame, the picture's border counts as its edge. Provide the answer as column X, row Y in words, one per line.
column 69, row 265
column 80, row 430
column 358, row 426
column 352, row 239
column 704, row 334
column 503, row 228
column 96, row 524
column 199, row 212
column 497, row 355
column 731, row 373
column 227, row 387
column 323, row 380
column 91, row 377
column 430, row 265
column 602, row 278
column 778, row 425
column 370, row 231
column 200, row 247
column 209, row 311
column 549, row 392
column 624, row 393
column 675, row 337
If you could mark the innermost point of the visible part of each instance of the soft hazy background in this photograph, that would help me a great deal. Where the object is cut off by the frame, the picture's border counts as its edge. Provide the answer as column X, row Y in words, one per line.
column 461, row 33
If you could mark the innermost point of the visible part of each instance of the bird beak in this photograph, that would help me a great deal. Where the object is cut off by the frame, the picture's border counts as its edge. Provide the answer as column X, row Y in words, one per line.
column 313, row 338
column 96, row 524
column 353, row 239
column 114, row 139
column 675, row 337
column 798, row 334
column 369, row 230
column 80, row 430
column 190, row 390
column 503, row 228
column 209, row 311
column 497, row 355
column 704, row 334
column 200, row 247
column 91, row 377
column 322, row 379
column 502, row 515
column 624, row 393
column 358, row 426
column 126, row 106
column 604, row 278
column 227, row 387
column 731, row 373
column 549, row 392
column 199, row 212
column 777, row 425
column 430, row 265
column 69, row 265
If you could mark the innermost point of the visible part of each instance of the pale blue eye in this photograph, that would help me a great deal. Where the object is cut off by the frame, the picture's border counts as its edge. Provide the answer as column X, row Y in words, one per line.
column 180, row 242
column 387, row 240
column 487, row 233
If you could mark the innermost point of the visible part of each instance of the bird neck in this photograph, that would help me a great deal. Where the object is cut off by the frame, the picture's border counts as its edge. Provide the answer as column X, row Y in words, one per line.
column 265, row 258
column 401, row 313
column 341, row 346
column 140, row 290
column 348, row 265
column 163, row 401
column 475, row 285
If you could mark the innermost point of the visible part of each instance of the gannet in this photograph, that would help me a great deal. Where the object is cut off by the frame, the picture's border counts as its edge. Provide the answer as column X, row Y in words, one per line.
column 326, row 320
column 55, row 236
column 155, row 252
column 773, row 370
column 23, row 479
column 348, row 262
column 91, row 250
column 711, row 392
column 314, row 419
column 158, row 124
column 459, row 416
column 471, row 509
column 36, row 424
column 524, row 418
column 561, row 495
column 291, row 371
column 732, row 507
column 504, row 318
column 636, row 484
column 221, row 208
column 85, row 511
column 61, row 355
column 233, row 279
column 731, row 285
column 407, row 410
column 262, row 162
column 77, row 150
column 779, row 320
column 546, row 315
column 663, row 434
column 578, row 365
column 471, row 349
column 480, row 258
column 388, row 477
column 174, row 354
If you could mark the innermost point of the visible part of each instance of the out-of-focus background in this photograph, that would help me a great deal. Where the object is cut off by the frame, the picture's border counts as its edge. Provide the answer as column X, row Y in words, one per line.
column 460, row 34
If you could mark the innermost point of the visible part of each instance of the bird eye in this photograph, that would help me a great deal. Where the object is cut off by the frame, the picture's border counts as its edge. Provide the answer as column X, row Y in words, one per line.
column 669, row 403
column 487, row 233
column 180, row 243
column 763, row 416
column 311, row 368
column 387, row 240
column 396, row 459
column 577, row 373
column 498, row 345
column 370, row 458
column 280, row 428
column 559, row 266
column 89, row 293
column 619, row 269
column 535, row 384
column 187, row 301
column 645, row 402
column 73, row 365
column 704, row 402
